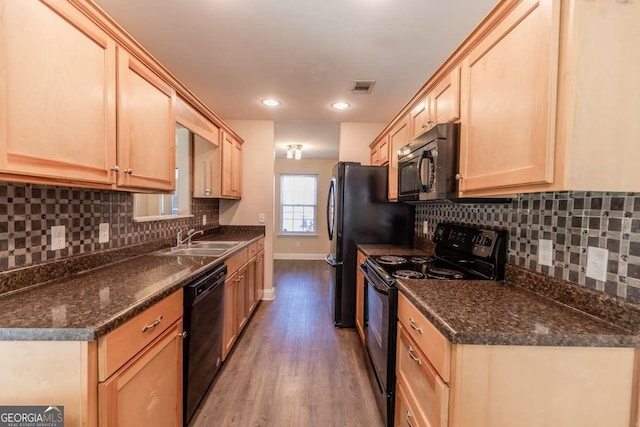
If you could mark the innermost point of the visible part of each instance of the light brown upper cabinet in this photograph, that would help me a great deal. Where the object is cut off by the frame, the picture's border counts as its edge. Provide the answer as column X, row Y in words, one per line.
column 379, row 151
column 398, row 138
column 146, row 127
column 217, row 168
column 509, row 85
column 440, row 105
column 193, row 120
column 57, row 95
column 231, row 166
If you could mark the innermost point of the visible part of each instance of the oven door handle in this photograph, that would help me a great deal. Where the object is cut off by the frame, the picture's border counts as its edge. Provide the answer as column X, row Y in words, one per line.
column 384, row 290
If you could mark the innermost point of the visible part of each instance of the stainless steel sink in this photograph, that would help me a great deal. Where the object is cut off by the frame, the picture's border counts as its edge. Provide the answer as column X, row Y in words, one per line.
column 214, row 245
column 193, row 251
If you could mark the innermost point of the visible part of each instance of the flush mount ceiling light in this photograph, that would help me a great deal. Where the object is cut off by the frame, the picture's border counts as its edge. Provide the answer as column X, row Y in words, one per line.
column 340, row 105
column 294, row 151
column 270, row 102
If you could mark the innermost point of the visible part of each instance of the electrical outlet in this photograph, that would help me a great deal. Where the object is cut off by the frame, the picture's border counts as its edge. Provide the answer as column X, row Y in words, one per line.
column 58, row 238
column 260, row 218
column 204, row 220
column 545, row 252
column 597, row 260
column 103, row 236
column 425, row 227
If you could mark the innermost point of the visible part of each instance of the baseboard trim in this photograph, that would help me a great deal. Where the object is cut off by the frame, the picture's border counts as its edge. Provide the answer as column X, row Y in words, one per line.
column 309, row 257
column 269, row 294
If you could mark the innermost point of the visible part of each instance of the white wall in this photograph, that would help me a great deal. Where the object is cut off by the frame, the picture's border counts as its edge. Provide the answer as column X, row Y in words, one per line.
column 257, row 186
column 355, row 139
column 304, row 247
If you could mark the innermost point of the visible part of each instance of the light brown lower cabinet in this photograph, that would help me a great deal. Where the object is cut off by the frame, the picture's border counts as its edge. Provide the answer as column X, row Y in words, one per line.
column 128, row 377
column 404, row 416
column 243, row 289
column 505, row 385
column 147, row 391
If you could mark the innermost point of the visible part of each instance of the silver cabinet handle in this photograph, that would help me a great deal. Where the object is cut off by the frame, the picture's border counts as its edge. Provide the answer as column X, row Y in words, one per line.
column 183, row 334
column 115, row 169
column 129, row 171
column 458, row 177
column 409, row 418
column 413, row 356
column 414, row 326
column 153, row 325
column 429, row 121
column 424, row 126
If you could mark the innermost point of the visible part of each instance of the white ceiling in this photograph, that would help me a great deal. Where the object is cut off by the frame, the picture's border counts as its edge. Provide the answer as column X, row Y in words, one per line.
column 233, row 53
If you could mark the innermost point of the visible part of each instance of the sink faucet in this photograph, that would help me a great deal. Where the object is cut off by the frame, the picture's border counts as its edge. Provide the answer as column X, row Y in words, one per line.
column 190, row 233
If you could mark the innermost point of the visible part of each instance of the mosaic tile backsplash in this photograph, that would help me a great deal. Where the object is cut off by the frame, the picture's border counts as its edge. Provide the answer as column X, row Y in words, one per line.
column 573, row 221
column 27, row 212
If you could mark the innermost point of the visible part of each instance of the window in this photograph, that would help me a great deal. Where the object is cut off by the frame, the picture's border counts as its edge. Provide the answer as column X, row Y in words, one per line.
column 298, row 200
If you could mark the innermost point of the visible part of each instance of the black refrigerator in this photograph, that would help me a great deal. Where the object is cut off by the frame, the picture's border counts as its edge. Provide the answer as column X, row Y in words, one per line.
column 358, row 212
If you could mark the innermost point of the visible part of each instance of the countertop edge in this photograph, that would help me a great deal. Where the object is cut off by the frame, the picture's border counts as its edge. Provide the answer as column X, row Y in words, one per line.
column 94, row 332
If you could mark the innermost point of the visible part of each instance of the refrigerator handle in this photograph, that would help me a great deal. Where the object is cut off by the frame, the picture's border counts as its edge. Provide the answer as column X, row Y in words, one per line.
column 329, row 218
column 331, row 261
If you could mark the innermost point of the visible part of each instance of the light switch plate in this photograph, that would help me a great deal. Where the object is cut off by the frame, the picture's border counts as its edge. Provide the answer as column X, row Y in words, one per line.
column 204, row 220
column 545, row 252
column 425, row 227
column 58, row 238
column 597, row 260
column 103, row 236
column 261, row 218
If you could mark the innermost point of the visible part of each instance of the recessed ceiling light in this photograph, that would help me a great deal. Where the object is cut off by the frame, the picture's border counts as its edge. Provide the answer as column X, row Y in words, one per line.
column 270, row 102
column 340, row 105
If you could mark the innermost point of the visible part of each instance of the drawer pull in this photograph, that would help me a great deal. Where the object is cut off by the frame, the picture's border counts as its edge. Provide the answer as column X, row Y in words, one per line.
column 414, row 357
column 153, row 325
column 414, row 326
column 408, row 417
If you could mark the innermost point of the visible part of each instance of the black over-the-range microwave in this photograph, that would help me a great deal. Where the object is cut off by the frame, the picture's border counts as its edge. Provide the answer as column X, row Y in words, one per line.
column 427, row 166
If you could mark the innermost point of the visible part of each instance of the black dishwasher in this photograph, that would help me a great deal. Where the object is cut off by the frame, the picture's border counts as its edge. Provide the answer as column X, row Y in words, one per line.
column 203, row 321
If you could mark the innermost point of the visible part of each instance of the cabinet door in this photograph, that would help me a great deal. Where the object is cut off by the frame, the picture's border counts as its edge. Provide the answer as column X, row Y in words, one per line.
column 237, row 169
column 147, row 391
column 57, row 94
column 146, row 127
column 419, row 119
column 259, row 276
column 373, row 155
column 444, row 99
column 383, row 150
column 226, row 165
column 360, row 297
column 230, row 329
column 241, row 309
column 206, row 180
column 398, row 138
column 508, row 101
column 251, row 286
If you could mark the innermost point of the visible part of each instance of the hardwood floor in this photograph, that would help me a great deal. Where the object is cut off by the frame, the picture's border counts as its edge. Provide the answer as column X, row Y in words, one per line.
column 292, row 367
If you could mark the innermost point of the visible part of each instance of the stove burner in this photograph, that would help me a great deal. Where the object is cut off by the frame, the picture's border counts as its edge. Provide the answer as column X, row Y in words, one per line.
column 421, row 259
column 444, row 273
column 391, row 260
column 408, row 274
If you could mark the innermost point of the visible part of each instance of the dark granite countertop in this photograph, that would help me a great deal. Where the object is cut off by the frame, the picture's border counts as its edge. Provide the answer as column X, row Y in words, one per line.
column 501, row 313
column 85, row 306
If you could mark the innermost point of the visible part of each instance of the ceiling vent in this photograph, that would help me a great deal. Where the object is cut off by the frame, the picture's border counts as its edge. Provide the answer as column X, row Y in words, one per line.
column 362, row 87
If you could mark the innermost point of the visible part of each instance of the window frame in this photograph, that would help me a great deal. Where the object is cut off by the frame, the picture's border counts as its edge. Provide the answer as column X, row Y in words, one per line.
column 281, row 229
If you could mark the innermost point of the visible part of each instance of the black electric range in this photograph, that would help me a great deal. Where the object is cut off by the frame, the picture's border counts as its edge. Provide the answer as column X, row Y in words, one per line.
column 461, row 252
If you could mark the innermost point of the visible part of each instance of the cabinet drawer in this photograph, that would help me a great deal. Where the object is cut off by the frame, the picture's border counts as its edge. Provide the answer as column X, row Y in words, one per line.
column 431, row 342
column 237, row 261
column 120, row 345
column 425, row 391
column 404, row 415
